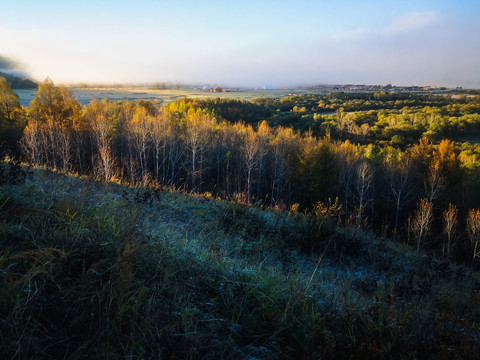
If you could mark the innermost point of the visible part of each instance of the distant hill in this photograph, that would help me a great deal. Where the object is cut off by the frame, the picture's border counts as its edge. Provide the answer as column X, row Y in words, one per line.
column 18, row 82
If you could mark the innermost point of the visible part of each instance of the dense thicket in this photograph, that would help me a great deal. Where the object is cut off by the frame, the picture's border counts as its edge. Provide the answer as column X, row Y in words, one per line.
column 386, row 161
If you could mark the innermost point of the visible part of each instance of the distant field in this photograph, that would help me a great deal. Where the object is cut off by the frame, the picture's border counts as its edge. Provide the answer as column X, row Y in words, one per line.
column 86, row 95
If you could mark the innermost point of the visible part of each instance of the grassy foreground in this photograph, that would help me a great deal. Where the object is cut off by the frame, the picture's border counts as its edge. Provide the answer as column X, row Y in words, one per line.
column 93, row 270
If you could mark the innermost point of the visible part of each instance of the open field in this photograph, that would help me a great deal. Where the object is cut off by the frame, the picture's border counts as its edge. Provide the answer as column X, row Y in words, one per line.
column 85, row 95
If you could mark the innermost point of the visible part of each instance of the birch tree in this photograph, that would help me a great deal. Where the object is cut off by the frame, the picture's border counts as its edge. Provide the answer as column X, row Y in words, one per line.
column 449, row 228
column 250, row 157
column 364, row 186
column 100, row 117
column 348, row 165
column 473, row 231
column 198, row 131
column 140, row 131
column 421, row 221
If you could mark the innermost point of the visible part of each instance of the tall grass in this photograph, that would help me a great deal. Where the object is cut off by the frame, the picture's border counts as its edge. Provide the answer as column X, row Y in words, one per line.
column 90, row 270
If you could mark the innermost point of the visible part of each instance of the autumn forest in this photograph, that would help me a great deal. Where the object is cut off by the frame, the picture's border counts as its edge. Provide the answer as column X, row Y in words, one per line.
column 398, row 163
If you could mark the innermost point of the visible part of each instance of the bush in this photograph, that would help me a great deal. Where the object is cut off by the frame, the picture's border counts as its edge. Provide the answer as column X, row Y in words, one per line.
column 11, row 172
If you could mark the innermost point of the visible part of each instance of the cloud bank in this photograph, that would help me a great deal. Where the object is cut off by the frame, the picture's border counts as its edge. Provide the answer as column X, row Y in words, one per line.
column 413, row 48
column 8, row 64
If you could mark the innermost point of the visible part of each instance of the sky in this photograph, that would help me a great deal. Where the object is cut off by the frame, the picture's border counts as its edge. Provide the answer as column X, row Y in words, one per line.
column 244, row 43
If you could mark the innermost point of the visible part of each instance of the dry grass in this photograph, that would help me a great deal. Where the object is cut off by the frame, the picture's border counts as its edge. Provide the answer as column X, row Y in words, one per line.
column 101, row 271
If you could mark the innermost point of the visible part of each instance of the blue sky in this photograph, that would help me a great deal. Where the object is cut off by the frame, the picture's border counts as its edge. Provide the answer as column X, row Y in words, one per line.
column 245, row 43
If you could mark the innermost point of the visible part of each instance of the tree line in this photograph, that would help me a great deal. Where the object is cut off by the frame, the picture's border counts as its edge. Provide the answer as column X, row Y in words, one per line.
column 425, row 193
column 396, row 119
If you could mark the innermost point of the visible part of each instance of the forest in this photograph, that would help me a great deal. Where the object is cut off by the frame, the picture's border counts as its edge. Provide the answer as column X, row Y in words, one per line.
column 336, row 226
column 405, row 165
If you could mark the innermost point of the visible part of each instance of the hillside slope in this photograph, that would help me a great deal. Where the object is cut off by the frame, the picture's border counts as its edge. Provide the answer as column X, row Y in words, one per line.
column 18, row 82
column 104, row 271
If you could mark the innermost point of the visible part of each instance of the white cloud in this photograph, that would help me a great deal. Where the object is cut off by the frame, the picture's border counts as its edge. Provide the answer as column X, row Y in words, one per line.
column 411, row 21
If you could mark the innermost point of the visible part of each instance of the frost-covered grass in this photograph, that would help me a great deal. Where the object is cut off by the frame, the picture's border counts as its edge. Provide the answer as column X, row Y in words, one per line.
column 102, row 271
